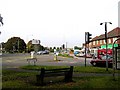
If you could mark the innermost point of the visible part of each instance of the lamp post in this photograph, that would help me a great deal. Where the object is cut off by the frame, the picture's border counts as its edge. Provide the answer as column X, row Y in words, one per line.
column 106, row 42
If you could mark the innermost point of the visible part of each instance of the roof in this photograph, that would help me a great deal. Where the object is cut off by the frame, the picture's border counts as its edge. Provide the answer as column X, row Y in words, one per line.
column 114, row 33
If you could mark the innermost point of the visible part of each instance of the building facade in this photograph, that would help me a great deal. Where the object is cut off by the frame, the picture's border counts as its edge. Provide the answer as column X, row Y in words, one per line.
column 99, row 41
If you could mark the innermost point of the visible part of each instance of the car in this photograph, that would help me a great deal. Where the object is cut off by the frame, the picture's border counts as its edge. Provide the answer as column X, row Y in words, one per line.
column 43, row 52
column 76, row 52
column 40, row 52
column 80, row 54
column 46, row 52
column 102, row 61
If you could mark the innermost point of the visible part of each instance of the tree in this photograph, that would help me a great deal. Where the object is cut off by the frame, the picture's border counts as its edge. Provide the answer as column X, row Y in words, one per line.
column 51, row 49
column 30, row 46
column 15, row 44
column 1, row 20
column 76, row 47
column 41, row 48
column 54, row 47
column 58, row 48
column 2, row 45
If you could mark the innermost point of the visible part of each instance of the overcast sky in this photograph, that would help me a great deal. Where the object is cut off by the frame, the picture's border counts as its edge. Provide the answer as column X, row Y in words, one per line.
column 56, row 22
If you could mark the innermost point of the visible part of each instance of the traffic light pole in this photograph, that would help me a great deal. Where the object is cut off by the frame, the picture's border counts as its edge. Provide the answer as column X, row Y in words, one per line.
column 87, row 41
column 85, row 46
column 85, row 54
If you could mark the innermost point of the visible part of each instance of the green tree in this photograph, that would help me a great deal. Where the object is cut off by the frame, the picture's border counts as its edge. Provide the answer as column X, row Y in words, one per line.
column 15, row 44
column 51, row 49
column 30, row 46
column 54, row 47
column 58, row 48
column 41, row 48
column 76, row 47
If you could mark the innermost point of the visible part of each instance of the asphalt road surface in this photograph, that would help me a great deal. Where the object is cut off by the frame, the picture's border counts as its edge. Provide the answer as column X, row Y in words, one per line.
column 17, row 60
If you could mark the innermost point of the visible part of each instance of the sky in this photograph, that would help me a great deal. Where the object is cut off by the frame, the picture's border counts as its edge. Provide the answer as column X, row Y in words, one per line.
column 55, row 22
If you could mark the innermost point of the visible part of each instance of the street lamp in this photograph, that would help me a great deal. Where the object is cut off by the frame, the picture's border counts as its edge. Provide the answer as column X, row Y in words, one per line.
column 106, row 41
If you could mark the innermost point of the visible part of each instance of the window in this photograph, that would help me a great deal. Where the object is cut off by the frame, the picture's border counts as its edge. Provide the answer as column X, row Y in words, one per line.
column 93, row 42
column 97, row 42
column 104, row 42
column 100, row 41
column 90, row 44
column 109, row 40
column 114, row 39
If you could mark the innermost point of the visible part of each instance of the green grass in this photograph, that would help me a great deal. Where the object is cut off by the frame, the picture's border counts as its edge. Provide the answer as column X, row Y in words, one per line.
column 81, row 69
column 31, row 67
column 14, row 79
column 25, row 80
column 65, row 55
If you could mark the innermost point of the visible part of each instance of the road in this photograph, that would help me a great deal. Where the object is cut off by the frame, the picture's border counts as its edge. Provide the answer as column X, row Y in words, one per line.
column 17, row 60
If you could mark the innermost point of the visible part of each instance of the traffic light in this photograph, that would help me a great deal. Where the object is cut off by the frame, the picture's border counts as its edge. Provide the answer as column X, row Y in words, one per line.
column 88, row 37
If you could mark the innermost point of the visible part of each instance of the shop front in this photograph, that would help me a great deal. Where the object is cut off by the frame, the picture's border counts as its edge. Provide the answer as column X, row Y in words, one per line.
column 109, row 46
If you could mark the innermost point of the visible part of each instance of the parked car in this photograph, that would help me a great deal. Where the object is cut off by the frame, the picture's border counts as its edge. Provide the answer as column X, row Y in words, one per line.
column 76, row 52
column 40, row 52
column 46, row 52
column 102, row 61
column 43, row 52
column 80, row 54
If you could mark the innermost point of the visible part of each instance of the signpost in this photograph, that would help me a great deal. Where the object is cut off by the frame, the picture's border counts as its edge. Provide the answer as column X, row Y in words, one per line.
column 36, row 43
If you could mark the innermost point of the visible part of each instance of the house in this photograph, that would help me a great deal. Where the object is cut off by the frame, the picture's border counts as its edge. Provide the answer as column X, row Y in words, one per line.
column 99, row 41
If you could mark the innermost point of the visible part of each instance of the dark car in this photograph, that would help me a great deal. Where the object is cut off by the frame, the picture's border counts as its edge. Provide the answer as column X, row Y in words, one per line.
column 102, row 61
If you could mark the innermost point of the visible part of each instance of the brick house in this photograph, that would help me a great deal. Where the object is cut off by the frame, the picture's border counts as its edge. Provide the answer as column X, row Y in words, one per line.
column 99, row 41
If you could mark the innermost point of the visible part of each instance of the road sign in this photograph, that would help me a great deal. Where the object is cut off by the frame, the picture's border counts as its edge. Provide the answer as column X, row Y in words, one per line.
column 35, row 41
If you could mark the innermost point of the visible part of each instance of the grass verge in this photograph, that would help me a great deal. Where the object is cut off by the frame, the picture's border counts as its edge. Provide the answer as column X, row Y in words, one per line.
column 80, row 69
column 26, row 80
column 65, row 55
